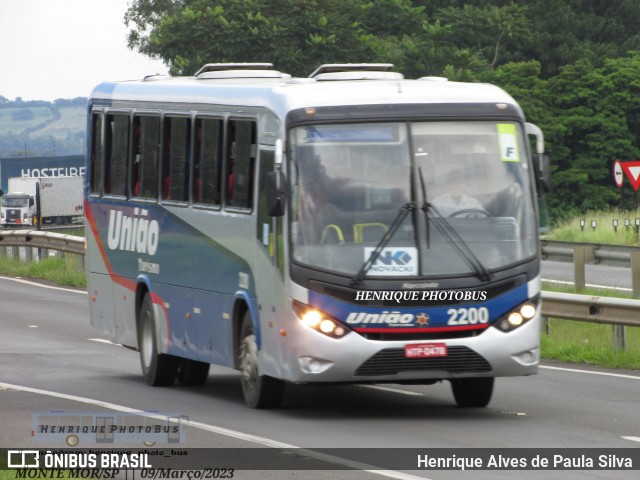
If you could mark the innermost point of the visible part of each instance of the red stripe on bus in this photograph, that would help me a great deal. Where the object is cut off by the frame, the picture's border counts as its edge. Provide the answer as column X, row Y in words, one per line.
column 401, row 330
column 120, row 280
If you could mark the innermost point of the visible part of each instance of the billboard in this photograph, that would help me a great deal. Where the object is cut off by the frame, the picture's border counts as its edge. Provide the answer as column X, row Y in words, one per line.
column 63, row 166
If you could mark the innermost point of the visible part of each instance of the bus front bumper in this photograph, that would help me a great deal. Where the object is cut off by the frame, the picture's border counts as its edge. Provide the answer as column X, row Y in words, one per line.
column 313, row 357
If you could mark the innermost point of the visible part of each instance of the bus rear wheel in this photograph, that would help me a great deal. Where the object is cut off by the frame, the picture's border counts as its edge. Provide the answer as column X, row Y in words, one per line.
column 158, row 369
column 259, row 391
column 472, row 392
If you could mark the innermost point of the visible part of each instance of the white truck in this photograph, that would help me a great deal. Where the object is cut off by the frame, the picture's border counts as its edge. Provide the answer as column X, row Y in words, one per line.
column 33, row 200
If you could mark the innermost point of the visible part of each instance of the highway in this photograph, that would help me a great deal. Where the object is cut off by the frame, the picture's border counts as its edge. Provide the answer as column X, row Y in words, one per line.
column 596, row 275
column 51, row 358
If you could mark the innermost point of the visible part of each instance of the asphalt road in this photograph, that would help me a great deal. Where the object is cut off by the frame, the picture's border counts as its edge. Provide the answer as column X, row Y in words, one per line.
column 595, row 275
column 52, row 359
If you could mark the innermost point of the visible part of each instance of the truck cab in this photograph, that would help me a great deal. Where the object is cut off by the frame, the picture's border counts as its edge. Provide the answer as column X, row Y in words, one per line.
column 17, row 209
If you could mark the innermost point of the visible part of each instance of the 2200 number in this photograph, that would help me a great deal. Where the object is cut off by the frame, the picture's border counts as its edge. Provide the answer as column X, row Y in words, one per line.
column 468, row 316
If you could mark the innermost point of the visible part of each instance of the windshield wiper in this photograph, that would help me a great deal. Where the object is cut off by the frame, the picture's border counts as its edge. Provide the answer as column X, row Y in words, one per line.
column 386, row 238
column 450, row 233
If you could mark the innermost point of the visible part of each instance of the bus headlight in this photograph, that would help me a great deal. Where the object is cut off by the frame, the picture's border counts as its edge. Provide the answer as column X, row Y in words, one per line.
column 518, row 316
column 319, row 321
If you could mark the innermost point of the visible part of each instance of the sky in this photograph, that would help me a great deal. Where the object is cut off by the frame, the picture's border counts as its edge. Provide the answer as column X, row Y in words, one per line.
column 53, row 49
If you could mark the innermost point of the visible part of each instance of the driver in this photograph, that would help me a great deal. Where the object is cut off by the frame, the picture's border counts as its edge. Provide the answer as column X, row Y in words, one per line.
column 456, row 198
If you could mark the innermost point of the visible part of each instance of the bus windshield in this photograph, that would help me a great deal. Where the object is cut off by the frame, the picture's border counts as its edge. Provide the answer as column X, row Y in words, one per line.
column 350, row 181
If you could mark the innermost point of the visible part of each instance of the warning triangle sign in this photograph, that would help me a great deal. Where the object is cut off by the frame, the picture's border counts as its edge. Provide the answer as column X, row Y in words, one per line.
column 632, row 169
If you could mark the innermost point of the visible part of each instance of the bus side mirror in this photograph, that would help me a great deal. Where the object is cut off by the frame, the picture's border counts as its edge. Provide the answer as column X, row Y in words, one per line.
column 542, row 167
column 276, row 194
column 31, row 201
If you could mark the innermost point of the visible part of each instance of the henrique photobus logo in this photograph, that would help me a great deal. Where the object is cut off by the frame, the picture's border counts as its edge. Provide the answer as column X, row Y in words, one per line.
column 74, row 428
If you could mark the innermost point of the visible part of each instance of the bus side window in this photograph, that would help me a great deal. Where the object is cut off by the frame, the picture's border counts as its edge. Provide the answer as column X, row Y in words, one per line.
column 241, row 152
column 136, row 170
column 97, row 153
column 175, row 172
column 144, row 172
column 117, row 153
column 207, row 163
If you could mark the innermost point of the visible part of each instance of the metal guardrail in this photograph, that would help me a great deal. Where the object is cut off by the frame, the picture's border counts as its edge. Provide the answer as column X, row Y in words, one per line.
column 587, row 308
column 616, row 255
column 42, row 239
column 618, row 312
column 583, row 253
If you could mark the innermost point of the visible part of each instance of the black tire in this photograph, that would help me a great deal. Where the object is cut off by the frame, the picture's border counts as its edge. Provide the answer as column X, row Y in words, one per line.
column 192, row 372
column 472, row 392
column 259, row 391
column 159, row 370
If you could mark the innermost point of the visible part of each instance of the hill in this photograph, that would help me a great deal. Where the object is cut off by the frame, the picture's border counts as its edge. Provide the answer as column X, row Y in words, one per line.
column 40, row 128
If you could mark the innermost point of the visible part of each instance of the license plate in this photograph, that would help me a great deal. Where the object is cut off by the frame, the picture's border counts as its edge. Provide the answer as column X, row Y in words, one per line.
column 425, row 350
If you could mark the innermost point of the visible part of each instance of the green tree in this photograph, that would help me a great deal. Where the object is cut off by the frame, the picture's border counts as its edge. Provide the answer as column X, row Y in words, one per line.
column 488, row 29
column 295, row 35
column 597, row 122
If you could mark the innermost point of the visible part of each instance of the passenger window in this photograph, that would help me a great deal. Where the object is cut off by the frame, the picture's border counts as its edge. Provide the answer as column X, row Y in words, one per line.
column 115, row 174
column 207, row 164
column 241, row 156
column 144, row 171
column 97, row 152
column 175, row 172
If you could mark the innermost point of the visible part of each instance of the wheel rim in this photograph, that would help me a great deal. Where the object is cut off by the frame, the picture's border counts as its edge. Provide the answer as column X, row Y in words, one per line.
column 147, row 340
column 249, row 361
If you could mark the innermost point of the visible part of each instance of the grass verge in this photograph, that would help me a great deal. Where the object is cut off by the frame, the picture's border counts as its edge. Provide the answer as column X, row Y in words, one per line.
column 590, row 343
column 59, row 271
column 603, row 233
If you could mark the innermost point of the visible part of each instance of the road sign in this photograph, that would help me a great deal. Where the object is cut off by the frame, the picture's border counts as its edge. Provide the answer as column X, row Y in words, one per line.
column 632, row 169
column 618, row 176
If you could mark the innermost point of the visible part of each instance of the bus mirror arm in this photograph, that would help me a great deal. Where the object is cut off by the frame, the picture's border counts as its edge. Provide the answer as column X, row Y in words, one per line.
column 541, row 162
column 276, row 194
column 542, row 167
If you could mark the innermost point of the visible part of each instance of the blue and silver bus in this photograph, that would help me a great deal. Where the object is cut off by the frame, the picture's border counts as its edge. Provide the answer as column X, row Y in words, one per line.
column 352, row 226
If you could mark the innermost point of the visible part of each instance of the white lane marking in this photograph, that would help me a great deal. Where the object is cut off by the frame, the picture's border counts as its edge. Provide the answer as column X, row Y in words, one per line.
column 222, row 431
column 576, row 370
column 35, row 284
column 104, row 340
column 633, row 439
column 394, row 390
column 603, row 287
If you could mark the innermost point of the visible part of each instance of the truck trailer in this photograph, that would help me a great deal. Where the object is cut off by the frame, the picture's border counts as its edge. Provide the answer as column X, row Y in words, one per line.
column 33, row 200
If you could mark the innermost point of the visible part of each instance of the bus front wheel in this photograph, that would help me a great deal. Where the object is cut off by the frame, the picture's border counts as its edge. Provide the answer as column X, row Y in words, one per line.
column 158, row 369
column 259, row 391
column 472, row 392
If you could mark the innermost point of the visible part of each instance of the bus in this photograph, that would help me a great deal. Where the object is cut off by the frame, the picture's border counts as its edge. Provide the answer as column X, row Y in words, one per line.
column 349, row 227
